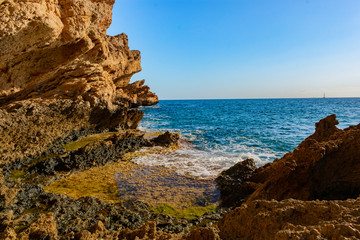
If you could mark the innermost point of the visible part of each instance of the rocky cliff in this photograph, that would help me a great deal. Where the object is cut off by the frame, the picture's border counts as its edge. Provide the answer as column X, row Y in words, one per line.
column 60, row 73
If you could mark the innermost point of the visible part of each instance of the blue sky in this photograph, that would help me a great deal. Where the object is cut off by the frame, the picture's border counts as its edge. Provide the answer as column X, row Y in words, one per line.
column 196, row 49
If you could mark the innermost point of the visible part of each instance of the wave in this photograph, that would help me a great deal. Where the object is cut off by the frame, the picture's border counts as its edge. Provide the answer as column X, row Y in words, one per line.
column 204, row 164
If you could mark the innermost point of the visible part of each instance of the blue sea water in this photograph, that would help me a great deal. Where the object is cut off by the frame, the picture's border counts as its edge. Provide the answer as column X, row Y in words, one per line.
column 220, row 133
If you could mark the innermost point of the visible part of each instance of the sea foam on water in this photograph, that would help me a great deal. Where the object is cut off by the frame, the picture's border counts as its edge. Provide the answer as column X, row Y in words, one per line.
column 219, row 133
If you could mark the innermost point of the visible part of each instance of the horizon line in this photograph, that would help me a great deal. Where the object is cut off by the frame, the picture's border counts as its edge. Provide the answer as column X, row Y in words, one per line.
column 180, row 99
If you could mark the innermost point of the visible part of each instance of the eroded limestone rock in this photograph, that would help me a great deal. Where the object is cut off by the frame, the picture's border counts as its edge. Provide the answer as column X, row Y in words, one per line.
column 60, row 72
column 292, row 219
column 43, row 228
column 324, row 166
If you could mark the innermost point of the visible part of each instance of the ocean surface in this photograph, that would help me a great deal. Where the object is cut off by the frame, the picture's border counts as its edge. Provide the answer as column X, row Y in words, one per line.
column 219, row 133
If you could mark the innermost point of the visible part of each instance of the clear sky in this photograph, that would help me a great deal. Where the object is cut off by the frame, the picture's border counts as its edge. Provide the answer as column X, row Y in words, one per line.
column 244, row 48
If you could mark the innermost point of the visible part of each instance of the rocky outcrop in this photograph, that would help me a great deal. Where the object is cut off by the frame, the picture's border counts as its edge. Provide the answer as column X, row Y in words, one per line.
column 167, row 139
column 59, row 49
column 60, row 72
column 43, row 228
column 139, row 94
column 324, row 166
column 293, row 219
column 96, row 153
column 203, row 233
column 233, row 183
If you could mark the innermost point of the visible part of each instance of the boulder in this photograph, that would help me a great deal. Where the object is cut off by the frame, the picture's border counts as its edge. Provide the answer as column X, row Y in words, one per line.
column 167, row 139
column 232, row 183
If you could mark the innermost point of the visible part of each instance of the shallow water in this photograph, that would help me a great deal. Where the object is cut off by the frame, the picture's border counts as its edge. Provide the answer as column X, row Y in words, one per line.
column 157, row 185
column 220, row 133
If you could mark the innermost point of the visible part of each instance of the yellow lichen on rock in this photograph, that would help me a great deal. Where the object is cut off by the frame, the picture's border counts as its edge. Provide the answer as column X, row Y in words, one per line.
column 97, row 182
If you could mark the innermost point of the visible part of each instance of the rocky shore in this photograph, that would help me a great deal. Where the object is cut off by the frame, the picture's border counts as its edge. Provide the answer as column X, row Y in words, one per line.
column 68, row 119
column 310, row 193
column 67, row 106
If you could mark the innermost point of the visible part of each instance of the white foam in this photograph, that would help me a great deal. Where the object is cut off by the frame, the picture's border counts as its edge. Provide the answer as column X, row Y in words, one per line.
column 202, row 164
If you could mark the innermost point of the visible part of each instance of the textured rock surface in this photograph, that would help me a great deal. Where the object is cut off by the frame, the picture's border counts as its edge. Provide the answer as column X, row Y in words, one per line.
column 204, row 233
column 43, row 228
column 97, row 153
column 233, row 183
column 7, row 195
column 324, row 166
column 293, row 219
column 60, row 72
column 167, row 139
column 59, row 49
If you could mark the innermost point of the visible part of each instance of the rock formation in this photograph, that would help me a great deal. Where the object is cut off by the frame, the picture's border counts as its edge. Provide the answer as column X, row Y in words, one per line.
column 60, row 72
column 167, row 139
column 293, row 219
column 325, row 166
column 62, row 77
column 43, row 228
column 233, row 183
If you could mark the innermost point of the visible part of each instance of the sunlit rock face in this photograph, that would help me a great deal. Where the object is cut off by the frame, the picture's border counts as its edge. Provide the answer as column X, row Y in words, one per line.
column 324, row 166
column 60, row 72
column 292, row 219
column 310, row 193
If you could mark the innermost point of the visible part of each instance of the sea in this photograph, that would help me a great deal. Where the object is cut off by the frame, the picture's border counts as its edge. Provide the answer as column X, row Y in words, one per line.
column 216, row 134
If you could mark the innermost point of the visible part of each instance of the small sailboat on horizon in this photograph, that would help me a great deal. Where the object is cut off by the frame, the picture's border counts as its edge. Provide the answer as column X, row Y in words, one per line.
column 324, row 96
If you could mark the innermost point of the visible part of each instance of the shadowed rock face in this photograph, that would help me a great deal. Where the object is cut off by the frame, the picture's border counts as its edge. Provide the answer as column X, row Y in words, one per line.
column 60, row 72
column 233, row 182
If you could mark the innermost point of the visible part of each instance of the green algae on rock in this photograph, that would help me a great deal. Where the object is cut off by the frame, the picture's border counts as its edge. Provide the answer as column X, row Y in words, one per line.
column 124, row 180
column 159, row 185
column 82, row 142
column 189, row 212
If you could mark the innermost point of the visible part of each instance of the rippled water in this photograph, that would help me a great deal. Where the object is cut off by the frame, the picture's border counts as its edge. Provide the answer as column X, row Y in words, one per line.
column 224, row 132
